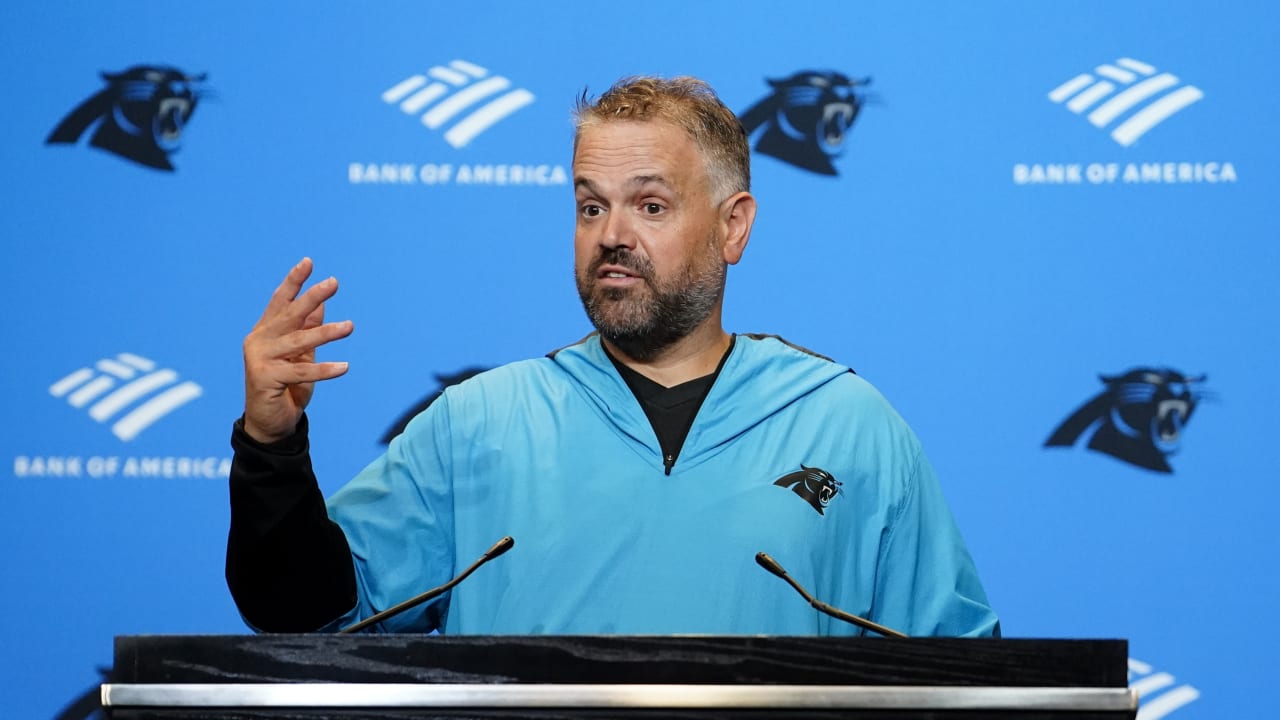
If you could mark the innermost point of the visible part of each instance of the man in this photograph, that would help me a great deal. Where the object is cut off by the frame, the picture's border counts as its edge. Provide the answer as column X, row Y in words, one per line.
column 639, row 470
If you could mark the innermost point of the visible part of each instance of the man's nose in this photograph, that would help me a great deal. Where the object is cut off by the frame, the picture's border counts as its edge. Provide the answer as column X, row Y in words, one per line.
column 618, row 231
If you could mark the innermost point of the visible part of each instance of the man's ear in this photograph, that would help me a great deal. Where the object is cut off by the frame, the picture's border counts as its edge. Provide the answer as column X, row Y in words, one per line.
column 737, row 214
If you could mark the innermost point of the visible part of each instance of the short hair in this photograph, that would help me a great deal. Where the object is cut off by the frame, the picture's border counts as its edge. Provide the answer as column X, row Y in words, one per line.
column 688, row 103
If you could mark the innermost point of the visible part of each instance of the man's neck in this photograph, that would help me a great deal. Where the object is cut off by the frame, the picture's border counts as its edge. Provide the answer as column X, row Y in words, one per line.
column 696, row 355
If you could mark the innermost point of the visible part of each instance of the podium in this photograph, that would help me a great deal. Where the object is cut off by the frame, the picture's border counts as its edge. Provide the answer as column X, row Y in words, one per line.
column 641, row 677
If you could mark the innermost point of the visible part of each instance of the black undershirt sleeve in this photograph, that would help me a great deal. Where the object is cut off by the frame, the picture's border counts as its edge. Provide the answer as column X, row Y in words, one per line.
column 288, row 565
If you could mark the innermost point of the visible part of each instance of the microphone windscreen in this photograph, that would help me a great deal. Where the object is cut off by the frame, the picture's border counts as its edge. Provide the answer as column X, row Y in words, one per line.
column 500, row 547
column 770, row 564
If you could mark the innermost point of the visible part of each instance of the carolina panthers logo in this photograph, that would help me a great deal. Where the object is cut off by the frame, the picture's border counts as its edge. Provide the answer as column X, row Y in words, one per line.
column 1138, row 417
column 815, row 485
column 140, row 114
column 445, row 381
column 806, row 118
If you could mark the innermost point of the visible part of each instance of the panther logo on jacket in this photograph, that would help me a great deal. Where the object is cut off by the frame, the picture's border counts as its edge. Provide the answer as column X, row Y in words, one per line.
column 139, row 115
column 815, row 485
column 1137, row 418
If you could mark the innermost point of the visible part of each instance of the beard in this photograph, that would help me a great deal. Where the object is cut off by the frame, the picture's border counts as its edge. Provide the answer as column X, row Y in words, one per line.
column 645, row 320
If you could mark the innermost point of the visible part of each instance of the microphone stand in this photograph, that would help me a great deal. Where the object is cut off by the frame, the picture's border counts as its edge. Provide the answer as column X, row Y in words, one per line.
column 498, row 548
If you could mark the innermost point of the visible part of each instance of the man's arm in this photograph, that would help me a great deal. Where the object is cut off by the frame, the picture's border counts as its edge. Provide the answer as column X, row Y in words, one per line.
column 288, row 566
column 927, row 583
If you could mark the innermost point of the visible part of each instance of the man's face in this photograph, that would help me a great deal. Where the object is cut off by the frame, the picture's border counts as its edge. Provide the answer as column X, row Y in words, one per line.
column 648, row 262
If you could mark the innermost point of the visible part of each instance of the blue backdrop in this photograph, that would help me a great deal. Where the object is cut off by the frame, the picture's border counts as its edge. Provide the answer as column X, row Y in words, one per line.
column 1033, row 195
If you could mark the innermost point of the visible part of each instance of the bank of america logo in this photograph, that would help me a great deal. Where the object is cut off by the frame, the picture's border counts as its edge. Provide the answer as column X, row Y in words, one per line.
column 129, row 389
column 1115, row 89
column 445, row 93
column 1158, row 692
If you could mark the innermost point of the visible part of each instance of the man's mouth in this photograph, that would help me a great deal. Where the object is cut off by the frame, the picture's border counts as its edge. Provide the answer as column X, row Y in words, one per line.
column 616, row 272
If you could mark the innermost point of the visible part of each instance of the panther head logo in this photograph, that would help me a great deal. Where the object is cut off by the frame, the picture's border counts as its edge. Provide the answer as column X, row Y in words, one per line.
column 1138, row 417
column 445, row 381
column 140, row 114
column 815, row 485
column 806, row 118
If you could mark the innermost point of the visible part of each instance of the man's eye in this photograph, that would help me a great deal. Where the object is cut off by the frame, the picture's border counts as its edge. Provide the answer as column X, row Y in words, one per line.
column 591, row 210
column 652, row 208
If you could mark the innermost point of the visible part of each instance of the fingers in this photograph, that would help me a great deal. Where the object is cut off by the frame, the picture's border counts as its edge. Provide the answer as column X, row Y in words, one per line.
column 294, row 314
column 281, row 348
column 315, row 372
column 271, row 360
column 279, row 354
column 288, row 310
column 304, row 342
column 308, row 302
column 288, row 288
column 315, row 318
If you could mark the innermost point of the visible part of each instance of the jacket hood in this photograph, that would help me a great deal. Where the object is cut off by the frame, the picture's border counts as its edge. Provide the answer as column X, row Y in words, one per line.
column 762, row 375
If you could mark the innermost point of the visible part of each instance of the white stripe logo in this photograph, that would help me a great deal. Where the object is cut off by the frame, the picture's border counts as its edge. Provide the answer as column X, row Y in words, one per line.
column 457, row 88
column 1158, row 692
column 141, row 378
column 1115, row 89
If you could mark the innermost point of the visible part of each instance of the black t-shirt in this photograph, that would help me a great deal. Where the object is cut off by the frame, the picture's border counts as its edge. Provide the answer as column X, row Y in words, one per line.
column 670, row 410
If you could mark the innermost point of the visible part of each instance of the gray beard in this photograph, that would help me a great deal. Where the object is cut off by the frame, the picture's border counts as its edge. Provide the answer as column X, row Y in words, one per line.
column 643, row 324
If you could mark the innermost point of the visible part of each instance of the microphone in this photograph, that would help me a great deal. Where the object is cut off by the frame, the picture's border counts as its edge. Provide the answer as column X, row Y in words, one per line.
column 772, row 566
column 498, row 548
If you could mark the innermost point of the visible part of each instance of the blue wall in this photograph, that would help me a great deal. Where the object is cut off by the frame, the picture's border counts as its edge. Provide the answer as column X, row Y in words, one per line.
column 983, row 305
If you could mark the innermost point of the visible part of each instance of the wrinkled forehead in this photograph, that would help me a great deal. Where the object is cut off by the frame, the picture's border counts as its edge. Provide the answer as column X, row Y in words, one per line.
column 639, row 148
column 626, row 126
column 639, row 138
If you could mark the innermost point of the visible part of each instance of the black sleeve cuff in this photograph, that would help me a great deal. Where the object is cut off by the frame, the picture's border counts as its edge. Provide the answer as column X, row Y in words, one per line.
column 295, row 444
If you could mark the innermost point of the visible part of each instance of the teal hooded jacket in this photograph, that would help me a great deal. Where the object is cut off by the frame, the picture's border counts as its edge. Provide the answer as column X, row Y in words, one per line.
column 790, row 454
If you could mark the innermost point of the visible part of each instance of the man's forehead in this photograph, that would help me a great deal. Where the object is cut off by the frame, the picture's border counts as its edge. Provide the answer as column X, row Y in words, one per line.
column 633, row 152
column 640, row 136
column 629, row 124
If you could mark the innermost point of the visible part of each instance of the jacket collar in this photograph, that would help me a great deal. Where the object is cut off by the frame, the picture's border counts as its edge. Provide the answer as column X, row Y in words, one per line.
column 762, row 375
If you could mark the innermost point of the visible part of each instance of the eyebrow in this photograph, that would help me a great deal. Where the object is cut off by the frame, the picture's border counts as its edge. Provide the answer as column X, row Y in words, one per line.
column 646, row 179
column 636, row 181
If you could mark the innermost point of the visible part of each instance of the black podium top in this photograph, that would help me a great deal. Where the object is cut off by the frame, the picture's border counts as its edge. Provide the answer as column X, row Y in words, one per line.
column 401, row 676
column 611, row 659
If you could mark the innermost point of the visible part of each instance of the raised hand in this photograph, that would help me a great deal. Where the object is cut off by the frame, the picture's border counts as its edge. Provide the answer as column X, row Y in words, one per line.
column 280, row 368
